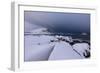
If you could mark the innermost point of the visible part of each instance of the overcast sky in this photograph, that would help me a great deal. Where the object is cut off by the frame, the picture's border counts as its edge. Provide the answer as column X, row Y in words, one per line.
column 57, row 21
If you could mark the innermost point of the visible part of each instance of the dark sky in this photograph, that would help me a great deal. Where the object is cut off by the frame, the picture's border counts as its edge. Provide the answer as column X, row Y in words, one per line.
column 59, row 22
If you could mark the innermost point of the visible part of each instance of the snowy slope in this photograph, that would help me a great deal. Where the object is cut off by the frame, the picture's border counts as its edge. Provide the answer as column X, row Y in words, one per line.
column 81, row 47
column 33, row 40
column 38, row 52
column 63, row 51
column 38, row 48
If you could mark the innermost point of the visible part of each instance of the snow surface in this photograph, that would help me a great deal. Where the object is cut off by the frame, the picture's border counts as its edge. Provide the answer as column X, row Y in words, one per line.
column 33, row 40
column 38, row 48
column 62, row 51
column 81, row 47
column 38, row 52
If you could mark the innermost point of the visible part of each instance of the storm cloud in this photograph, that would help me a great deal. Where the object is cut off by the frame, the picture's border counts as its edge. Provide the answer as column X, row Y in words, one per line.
column 58, row 22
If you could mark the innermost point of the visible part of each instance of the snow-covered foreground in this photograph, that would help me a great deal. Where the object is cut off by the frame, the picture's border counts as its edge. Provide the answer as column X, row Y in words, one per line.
column 38, row 53
column 45, row 47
